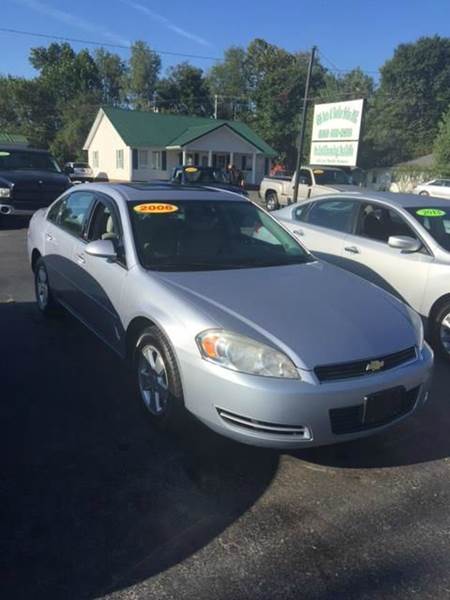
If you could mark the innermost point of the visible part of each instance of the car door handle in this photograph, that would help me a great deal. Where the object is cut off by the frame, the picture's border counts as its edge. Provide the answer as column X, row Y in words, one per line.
column 352, row 249
column 299, row 232
column 49, row 237
column 80, row 259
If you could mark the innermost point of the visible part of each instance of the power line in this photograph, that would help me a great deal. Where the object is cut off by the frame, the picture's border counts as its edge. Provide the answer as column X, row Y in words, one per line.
column 336, row 69
column 95, row 43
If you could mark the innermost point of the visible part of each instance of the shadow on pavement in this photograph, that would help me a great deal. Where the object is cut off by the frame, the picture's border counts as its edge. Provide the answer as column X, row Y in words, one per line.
column 420, row 438
column 13, row 223
column 93, row 500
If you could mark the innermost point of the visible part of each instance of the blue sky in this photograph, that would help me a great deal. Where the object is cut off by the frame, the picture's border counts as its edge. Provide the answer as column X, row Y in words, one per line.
column 348, row 32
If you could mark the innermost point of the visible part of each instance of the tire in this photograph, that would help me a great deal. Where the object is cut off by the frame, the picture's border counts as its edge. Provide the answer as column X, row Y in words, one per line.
column 440, row 331
column 157, row 380
column 272, row 200
column 46, row 303
column 424, row 193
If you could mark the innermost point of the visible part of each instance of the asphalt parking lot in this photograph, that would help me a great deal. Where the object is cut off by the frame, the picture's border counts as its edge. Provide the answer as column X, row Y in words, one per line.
column 95, row 504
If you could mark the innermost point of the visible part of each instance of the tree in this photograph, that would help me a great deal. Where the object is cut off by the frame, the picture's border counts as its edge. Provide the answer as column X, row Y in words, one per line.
column 142, row 76
column 184, row 91
column 276, row 81
column 441, row 148
column 111, row 72
column 414, row 91
column 229, row 80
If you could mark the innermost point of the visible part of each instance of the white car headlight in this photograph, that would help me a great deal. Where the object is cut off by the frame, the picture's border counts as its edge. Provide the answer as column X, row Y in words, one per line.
column 5, row 192
column 418, row 326
column 245, row 355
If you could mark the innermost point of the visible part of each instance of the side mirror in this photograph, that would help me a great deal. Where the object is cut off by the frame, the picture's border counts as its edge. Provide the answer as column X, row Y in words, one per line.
column 404, row 243
column 68, row 170
column 102, row 249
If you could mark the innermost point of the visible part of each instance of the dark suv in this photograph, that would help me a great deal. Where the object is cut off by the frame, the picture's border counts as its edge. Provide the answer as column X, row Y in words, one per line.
column 29, row 179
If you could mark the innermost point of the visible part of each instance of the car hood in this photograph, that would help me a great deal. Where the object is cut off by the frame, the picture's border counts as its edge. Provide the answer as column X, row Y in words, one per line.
column 317, row 313
column 32, row 176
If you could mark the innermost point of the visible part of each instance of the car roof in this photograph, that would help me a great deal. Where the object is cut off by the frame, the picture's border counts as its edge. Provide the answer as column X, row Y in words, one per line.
column 165, row 192
column 393, row 198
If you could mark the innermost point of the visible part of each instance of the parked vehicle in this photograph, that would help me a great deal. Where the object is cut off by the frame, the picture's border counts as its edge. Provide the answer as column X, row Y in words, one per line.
column 209, row 176
column 398, row 241
column 79, row 171
column 439, row 188
column 29, row 179
column 177, row 281
column 278, row 190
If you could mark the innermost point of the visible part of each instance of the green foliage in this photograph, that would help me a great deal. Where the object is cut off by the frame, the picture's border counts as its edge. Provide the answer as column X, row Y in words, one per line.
column 184, row 91
column 441, row 149
column 229, row 80
column 112, row 73
column 142, row 76
column 413, row 93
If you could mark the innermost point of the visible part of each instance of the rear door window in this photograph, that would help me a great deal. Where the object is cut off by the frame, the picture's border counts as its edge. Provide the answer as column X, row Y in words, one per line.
column 333, row 214
column 380, row 223
column 74, row 212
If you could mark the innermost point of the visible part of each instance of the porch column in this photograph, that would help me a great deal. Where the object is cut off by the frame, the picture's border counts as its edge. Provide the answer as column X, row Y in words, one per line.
column 184, row 157
column 254, row 167
column 231, row 158
column 210, row 158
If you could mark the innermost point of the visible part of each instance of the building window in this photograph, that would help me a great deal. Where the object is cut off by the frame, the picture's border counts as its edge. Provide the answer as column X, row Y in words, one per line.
column 134, row 157
column 119, row 159
column 156, row 160
column 163, row 160
column 143, row 159
column 95, row 158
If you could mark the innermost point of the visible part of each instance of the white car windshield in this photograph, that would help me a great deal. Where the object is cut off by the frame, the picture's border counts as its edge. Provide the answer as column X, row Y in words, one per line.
column 436, row 221
column 12, row 160
column 210, row 235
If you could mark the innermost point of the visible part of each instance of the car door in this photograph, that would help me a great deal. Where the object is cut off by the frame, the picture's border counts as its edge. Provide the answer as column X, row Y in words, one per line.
column 64, row 225
column 101, row 281
column 368, row 254
column 323, row 226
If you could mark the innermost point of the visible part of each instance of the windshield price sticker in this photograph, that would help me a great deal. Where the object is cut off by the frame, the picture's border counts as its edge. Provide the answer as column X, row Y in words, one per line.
column 155, row 208
column 2, row 153
column 431, row 212
column 318, row 171
column 191, row 170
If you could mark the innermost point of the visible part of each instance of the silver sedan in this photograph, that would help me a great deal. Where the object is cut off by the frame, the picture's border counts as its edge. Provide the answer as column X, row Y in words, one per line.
column 222, row 312
column 400, row 242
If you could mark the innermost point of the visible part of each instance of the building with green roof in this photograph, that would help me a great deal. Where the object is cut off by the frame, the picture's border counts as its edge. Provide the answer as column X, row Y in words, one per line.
column 132, row 145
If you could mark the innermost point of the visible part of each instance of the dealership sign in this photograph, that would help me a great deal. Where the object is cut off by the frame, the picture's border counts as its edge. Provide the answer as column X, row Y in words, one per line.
column 335, row 134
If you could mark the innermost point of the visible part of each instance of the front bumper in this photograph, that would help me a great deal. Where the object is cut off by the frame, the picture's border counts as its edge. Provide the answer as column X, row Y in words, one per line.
column 279, row 413
column 10, row 210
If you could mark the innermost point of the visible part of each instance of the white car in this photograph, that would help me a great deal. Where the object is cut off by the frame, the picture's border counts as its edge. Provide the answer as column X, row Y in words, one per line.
column 439, row 188
column 400, row 242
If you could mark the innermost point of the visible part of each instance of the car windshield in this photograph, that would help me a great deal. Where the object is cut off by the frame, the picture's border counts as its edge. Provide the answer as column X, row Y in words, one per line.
column 81, row 166
column 436, row 221
column 12, row 160
column 196, row 175
column 208, row 235
column 330, row 177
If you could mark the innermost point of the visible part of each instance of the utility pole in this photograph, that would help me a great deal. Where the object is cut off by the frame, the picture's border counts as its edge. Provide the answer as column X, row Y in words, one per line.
column 215, row 105
column 303, row 125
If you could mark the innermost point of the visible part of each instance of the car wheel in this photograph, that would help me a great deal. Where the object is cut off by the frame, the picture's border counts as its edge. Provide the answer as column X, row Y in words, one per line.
column 44, row 297
column 157, row 380
column 424, row 193
column 272, row 200
column 441, row 331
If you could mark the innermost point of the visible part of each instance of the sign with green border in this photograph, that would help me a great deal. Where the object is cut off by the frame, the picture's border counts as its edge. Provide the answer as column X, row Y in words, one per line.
column 431, row 212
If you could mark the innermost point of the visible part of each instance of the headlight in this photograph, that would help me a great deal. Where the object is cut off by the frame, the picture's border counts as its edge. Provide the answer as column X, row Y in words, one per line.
column 245, row 355
column 5, row 192
column 418, row 326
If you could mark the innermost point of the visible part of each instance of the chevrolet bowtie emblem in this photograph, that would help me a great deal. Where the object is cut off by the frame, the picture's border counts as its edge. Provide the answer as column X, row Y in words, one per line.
column 374, row 365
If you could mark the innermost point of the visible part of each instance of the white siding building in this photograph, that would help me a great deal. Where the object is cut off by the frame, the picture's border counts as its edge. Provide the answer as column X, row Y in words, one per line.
column 126, row 145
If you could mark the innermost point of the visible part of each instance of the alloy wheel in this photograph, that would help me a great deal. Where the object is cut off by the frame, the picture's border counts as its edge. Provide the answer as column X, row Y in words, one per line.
column 445, row 333
column 42, row 287
column 153, row 381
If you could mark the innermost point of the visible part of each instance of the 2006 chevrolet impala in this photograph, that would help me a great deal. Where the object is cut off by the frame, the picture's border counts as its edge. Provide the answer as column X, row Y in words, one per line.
column 223, row 313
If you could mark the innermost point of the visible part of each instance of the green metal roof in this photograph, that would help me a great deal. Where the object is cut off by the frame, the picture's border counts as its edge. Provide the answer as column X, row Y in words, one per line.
column 12, row 138
column 139, row 128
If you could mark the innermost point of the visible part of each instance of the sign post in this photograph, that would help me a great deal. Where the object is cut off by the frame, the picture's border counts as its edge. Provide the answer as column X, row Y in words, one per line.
column 302, row 129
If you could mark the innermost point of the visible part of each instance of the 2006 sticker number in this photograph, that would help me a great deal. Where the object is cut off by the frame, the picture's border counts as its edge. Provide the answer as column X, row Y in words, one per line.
column 155, row 208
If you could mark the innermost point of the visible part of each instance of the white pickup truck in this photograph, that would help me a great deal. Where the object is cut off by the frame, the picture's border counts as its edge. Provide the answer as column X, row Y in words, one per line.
column 314, row 181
